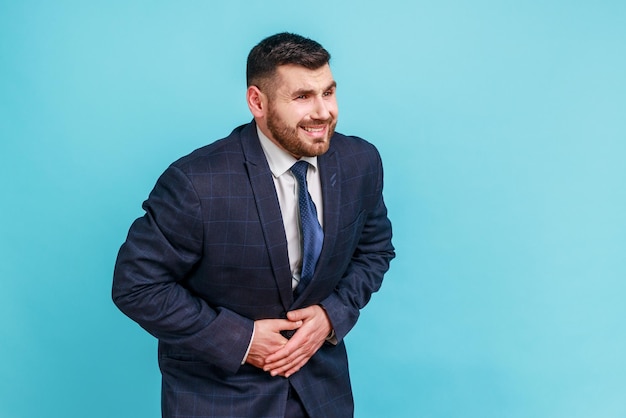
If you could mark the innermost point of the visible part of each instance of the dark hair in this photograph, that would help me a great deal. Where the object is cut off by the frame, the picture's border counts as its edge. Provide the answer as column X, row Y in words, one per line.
column 281, row 49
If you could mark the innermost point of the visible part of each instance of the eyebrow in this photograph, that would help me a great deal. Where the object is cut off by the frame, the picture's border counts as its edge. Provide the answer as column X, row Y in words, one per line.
column 307, row 92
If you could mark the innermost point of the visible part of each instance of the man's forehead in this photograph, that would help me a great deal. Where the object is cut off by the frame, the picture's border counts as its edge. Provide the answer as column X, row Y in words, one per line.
column 298, row 77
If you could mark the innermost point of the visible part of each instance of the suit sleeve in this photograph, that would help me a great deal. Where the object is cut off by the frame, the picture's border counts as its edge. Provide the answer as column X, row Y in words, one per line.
column 370, row 261
column 161, row 249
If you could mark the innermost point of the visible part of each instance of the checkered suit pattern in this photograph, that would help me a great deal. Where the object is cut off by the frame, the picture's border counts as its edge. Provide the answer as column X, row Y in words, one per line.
column 210, row 256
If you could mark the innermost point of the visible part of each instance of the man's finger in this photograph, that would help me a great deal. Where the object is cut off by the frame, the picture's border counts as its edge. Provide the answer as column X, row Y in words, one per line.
column 286, row 325
column 300, row 314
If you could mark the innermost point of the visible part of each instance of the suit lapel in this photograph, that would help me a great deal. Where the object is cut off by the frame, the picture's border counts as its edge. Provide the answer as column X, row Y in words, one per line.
column 269, row 211
column 331, row 192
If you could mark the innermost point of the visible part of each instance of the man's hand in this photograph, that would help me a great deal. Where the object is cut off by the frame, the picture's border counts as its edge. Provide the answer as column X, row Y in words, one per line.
column 267, row 339
column 310, row 336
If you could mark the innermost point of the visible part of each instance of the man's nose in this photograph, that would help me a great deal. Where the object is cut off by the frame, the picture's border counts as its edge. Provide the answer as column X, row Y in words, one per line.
column 321, row 109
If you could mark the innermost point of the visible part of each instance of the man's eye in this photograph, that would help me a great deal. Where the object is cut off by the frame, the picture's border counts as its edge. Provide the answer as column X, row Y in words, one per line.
column 301, row 97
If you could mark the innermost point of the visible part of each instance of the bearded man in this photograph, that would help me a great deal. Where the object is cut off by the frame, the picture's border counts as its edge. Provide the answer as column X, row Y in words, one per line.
column 257, row 252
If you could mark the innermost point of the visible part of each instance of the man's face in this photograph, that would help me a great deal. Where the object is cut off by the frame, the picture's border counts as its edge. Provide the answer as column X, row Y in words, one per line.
column 302, row 110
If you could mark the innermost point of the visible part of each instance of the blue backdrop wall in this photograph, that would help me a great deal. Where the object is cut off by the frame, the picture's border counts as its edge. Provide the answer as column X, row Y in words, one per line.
column 502, row 125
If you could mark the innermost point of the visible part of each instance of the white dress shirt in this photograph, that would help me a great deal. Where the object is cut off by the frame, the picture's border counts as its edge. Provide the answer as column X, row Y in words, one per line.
column 280, row 162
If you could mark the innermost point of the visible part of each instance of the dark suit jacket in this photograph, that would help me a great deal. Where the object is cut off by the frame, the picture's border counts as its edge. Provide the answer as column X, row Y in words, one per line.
column 210, row 256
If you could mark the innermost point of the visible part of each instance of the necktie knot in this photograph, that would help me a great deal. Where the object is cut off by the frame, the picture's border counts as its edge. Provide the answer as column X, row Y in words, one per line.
column 299, row 170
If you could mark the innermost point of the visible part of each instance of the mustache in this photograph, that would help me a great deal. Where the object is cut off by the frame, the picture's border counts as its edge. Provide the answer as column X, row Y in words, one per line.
column 316, row 122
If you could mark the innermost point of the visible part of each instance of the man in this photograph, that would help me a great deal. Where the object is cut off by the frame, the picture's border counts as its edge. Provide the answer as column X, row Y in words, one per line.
column 251, row 270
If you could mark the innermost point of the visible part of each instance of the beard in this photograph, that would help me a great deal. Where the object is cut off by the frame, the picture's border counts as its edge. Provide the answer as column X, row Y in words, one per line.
column 289, row 139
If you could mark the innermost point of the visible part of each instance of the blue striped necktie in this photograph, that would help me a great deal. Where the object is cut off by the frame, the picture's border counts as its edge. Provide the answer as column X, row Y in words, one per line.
column 312, row 234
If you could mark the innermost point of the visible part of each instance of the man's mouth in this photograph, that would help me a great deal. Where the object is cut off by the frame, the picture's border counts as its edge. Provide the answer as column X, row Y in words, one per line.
column 314, row 129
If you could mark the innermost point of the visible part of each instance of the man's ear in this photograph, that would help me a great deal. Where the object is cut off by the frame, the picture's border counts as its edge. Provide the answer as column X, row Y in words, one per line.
column 257, row 102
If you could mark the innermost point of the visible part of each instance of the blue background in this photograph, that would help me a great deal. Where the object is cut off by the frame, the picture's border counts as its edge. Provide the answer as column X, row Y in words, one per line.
column 502, row 125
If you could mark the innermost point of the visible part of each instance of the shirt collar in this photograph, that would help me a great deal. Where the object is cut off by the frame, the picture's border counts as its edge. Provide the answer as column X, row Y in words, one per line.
column 279, row 160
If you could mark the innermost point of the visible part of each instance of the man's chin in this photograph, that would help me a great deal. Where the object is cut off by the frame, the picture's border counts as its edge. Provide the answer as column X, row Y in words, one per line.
column 316, row 146
column 316, row 149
